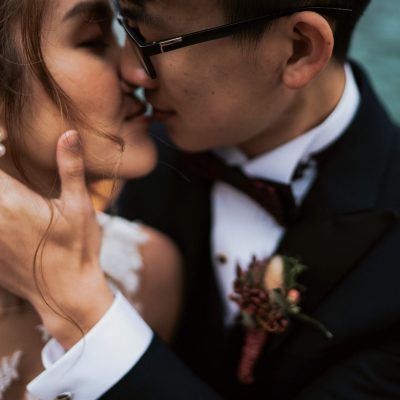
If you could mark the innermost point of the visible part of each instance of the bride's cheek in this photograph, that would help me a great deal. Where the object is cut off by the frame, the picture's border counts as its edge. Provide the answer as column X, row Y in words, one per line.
column 92, row 84
column 99, row 93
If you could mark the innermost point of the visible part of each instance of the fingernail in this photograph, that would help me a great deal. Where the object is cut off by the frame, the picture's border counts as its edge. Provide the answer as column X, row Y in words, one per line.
column 2, row 150
column 72, row 141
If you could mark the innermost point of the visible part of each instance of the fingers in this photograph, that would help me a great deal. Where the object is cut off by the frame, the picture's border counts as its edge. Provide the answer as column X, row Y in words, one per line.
column 71, row 167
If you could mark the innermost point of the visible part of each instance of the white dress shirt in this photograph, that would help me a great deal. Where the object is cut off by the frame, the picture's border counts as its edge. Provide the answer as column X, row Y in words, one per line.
column 97, row 362
column 241, row 229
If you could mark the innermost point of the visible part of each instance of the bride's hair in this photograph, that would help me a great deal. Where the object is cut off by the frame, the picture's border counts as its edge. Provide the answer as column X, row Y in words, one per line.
column 21, row 59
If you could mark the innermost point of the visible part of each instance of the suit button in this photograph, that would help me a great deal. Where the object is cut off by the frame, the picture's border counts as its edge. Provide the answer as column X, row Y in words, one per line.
column 64, row 396
column 222, row 259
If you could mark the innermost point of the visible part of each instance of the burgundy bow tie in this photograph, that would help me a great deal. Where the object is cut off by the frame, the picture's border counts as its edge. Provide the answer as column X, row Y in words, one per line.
column 276, row 198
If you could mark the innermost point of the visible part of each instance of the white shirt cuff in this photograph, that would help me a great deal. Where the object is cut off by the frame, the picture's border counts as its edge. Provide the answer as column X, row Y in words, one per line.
column 99, row 360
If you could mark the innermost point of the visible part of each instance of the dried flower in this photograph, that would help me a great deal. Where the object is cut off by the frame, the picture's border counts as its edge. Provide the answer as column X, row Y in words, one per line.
column 268, row 296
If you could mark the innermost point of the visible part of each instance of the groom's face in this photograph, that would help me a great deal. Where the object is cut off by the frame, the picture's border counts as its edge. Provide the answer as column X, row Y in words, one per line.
column 211, row 94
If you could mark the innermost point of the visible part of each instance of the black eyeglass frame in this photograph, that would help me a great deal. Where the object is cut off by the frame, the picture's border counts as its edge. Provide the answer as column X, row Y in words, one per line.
column 149, row 49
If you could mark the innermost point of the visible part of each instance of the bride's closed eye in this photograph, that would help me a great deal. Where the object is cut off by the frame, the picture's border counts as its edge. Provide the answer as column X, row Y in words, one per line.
column 91, row 24
column 97, row 35
column 98, row 42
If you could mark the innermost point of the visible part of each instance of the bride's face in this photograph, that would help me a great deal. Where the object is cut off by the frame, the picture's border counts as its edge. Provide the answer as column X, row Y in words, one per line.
column 82, row 55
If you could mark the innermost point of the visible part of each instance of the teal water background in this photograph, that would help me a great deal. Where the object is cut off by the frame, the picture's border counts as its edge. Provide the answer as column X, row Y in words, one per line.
column 376, row 45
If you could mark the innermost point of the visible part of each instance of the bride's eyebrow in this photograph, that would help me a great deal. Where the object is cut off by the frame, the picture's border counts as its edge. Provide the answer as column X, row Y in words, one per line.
column 94, row 10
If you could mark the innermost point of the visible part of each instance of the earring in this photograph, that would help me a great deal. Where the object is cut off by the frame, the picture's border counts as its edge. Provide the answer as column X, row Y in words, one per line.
column 2, row 147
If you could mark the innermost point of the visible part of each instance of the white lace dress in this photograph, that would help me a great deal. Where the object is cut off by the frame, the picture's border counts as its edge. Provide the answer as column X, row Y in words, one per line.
column 21, row 334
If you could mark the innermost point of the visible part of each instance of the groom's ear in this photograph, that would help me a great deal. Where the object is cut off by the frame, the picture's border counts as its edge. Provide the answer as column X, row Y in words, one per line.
column 310, row 38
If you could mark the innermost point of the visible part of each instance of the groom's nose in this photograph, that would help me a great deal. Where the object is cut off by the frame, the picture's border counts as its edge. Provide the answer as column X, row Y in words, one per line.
column 132, row 70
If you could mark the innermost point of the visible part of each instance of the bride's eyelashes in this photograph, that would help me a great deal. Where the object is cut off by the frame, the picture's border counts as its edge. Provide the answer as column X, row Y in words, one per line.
column 98, row 44
column 96, row 33
column 101, row 38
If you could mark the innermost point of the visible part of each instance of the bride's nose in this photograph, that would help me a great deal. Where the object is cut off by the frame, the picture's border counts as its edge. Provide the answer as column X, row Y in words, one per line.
column 127, row 88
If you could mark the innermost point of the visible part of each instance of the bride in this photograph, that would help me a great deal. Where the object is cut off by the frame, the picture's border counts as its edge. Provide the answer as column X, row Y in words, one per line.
column 59, row 68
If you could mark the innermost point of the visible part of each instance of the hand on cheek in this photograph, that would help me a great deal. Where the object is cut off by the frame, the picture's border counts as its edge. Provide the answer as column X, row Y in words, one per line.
column 76, row 237
column 58, row 271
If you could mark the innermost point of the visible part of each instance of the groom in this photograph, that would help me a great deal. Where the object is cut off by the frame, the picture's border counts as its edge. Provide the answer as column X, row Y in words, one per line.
column 276, row 99
column 269, row 104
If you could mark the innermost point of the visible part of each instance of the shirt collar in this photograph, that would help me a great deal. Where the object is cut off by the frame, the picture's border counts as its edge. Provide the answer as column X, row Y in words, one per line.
column 279, row 164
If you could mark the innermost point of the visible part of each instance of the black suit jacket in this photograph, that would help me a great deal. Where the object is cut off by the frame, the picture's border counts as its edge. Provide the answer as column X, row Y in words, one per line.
column 348, row 233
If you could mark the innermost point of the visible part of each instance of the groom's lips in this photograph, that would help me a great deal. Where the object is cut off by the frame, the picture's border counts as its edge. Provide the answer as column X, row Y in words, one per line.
column 162, row 115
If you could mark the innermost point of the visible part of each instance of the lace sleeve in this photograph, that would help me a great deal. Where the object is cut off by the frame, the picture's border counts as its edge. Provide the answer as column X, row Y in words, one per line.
column 120, row 254
column 9, row 371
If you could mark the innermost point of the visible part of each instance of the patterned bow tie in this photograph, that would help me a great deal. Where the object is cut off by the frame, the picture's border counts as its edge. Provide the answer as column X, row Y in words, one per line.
column 276, row 198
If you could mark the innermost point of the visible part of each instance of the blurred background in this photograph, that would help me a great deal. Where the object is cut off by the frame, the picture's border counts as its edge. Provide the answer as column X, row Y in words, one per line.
column 376, row 45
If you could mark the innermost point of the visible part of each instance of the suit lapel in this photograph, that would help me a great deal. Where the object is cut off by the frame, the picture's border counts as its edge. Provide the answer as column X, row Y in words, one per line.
column 331, row 243
column 342, row 218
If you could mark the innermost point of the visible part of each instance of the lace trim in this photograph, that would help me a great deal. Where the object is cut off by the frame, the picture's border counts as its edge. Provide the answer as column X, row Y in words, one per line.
column 120, row 256
column 8, row 371
column 44, row 333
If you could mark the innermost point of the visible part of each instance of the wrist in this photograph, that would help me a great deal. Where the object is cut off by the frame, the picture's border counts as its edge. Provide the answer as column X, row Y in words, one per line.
column 68, row 321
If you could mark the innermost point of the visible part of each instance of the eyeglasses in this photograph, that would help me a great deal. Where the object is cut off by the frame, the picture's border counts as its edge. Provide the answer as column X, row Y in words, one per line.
column 145, row 50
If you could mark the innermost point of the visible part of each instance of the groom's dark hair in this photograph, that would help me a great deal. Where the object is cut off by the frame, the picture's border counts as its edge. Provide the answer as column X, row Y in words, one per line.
column 236, row 10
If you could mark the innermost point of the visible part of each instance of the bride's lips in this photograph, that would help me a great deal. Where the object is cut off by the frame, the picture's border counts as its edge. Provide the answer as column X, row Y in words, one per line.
column 137, row 113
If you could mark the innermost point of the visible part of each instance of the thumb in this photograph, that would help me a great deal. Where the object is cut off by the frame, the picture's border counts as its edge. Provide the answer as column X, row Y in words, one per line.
column 71, row 167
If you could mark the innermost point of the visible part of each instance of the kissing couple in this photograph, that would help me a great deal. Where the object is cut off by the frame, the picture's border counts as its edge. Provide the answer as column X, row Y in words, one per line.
column 271, row 153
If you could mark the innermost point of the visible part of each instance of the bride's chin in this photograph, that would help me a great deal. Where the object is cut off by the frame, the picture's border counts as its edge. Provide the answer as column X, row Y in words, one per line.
column 139, row 126
column 136, row 165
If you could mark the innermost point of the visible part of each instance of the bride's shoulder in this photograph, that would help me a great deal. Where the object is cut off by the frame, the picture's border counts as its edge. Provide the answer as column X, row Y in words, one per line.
column 130, row 246
column 159, row 250
column 162, row 285
column 146, row 265
column 152, row 244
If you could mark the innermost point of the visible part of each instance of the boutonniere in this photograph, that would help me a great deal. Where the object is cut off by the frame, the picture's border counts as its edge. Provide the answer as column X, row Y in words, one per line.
column 268, row 296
